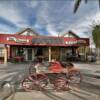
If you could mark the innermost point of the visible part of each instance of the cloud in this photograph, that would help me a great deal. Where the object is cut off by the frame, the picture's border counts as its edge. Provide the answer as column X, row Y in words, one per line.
column 9, row 11
column 15, row 12
column 51, row 30
column 58, row 16
column 31, row 3
column 6, row 29
column 48, row 17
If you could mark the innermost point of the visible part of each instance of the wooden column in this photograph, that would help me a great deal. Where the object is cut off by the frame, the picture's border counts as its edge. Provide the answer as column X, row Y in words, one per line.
column 5, row 55
column 8, row 54
column 49, row 54
column 85, row 53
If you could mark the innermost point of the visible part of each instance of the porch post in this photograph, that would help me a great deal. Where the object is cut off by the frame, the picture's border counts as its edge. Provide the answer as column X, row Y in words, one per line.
column 5, row 55
column 49, row 54
column 8, row 54
column 85, row 53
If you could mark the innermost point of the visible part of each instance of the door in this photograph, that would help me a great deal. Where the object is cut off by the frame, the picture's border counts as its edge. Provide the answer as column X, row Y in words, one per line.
column 29, row 54
column 39, row 51
column 55, row 53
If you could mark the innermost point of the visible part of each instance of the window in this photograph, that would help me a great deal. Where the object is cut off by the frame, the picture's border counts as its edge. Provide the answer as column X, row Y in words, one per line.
column 20, row 51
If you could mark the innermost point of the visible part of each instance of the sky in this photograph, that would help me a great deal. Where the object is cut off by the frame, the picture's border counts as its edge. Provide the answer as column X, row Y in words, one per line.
column 48, row 17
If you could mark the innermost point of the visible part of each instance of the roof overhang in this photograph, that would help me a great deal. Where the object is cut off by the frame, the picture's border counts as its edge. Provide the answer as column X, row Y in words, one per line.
column 42, row 40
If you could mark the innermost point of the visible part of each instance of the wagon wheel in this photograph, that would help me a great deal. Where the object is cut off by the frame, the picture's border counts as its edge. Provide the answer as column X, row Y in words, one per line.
column 75, row 77
column 42, row 80
column 61, row 84
column 28, row 84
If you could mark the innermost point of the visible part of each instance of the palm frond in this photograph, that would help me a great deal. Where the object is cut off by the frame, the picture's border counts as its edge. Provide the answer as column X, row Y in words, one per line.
column 77, row 4
column 86, row 1
column 99, row 3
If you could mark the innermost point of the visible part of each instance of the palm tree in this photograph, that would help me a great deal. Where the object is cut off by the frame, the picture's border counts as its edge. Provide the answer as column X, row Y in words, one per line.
column 78, row 2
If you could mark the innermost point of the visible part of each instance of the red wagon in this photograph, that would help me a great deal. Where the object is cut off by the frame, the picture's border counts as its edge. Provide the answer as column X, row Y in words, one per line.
column 50, row 73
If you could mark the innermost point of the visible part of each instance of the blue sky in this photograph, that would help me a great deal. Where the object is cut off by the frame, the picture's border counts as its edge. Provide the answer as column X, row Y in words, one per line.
column 48, row 17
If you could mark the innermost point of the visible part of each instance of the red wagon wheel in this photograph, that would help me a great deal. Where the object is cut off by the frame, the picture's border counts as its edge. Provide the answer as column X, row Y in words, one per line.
column 61, row 84
column 28, row 84
column 75, row 77
column 35, row 81
column 42, row 80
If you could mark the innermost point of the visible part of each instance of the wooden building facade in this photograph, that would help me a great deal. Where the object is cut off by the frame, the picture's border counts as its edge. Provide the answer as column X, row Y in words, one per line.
column 26, row 45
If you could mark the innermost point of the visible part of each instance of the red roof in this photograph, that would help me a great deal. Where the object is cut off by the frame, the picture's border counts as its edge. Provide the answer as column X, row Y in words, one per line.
column 13, row 39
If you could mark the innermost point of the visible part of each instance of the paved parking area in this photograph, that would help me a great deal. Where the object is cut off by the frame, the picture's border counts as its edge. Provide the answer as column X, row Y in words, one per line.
column 88, row 90
column 51, row 95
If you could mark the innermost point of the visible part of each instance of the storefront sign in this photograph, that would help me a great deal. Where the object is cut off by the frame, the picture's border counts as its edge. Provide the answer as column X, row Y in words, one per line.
column 17, row 40
column 76, row 42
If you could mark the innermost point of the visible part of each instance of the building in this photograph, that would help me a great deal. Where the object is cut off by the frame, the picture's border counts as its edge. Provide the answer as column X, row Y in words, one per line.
column 27, row 44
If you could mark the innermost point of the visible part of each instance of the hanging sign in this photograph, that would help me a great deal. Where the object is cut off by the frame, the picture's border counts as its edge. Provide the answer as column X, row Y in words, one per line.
column 17, row 40
column 76, row 42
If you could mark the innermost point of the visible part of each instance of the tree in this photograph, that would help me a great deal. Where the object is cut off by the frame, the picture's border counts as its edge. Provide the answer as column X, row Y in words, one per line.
column 96, row 38
column 78, row 2
column 96, row 35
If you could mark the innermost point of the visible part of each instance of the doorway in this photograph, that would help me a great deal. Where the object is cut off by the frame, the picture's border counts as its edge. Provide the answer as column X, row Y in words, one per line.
column 29, row 54
column 55, row 53
column 39, row 51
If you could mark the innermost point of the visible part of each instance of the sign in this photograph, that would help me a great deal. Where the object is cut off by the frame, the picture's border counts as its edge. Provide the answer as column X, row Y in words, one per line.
column 76, row 42
column 17, row 40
